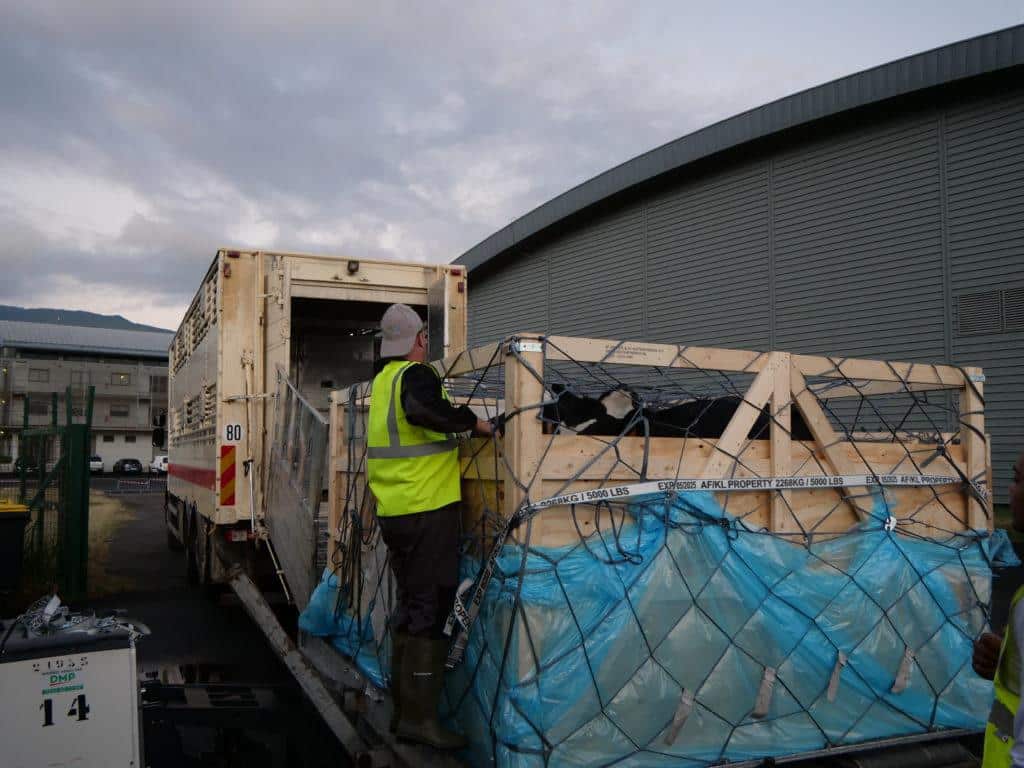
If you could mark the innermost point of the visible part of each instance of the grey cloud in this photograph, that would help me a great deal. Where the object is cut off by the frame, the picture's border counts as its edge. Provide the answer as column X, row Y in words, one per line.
column 387, row 129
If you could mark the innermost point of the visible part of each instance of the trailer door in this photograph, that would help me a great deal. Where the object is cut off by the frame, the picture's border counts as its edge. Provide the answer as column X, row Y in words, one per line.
column 437, row 317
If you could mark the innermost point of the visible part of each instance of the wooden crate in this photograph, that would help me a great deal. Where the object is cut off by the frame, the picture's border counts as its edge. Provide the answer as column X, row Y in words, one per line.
column 549, row 465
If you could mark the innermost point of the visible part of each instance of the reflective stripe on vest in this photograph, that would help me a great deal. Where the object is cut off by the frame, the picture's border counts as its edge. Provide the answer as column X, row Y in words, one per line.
column 999, row 730
column 409, row 468
column 394, row 448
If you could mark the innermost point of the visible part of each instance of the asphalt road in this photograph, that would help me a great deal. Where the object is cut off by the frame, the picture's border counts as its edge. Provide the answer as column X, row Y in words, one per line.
column 197, row 636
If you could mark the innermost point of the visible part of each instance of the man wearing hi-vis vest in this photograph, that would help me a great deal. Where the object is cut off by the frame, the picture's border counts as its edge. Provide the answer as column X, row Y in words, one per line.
column 999, row 659
column 412, row 464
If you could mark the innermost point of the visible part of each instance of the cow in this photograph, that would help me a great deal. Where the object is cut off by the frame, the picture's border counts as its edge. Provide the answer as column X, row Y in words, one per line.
column 620, row 411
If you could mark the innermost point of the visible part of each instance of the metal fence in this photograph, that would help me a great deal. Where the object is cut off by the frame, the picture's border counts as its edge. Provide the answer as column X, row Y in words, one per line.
column 295, row 489
column 51, row 477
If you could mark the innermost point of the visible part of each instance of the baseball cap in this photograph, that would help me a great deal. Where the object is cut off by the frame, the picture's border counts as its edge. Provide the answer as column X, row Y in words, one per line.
column 399, row 327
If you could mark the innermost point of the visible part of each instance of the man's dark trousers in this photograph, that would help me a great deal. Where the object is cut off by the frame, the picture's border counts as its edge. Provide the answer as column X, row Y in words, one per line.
column 424, row 554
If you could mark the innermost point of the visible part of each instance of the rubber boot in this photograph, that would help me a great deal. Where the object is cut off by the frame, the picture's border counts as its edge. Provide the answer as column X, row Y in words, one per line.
column 397, row 651
column 420, row 690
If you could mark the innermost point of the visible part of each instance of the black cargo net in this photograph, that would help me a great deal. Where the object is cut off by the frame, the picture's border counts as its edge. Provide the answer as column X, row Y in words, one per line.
column 623, row 606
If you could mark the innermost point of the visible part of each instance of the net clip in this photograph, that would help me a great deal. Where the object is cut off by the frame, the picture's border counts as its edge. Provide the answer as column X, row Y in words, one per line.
column 764, row 693
column 679, row 718
column 902, row 681
column 837, row 671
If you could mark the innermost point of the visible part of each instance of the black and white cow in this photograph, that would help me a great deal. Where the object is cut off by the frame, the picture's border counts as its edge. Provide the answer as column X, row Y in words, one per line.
column 619, row 411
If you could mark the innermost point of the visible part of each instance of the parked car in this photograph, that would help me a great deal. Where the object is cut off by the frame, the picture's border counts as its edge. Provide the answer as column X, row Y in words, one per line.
column 27, row 463
column 128, row 467
column 96, row 464
column 158, row 466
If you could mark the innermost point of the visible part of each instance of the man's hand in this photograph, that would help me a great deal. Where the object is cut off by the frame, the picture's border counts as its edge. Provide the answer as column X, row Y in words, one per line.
column 986, row 655
column 483, row 428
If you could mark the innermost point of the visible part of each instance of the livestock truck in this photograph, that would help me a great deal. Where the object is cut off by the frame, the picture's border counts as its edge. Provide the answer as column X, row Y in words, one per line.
column 268, row 331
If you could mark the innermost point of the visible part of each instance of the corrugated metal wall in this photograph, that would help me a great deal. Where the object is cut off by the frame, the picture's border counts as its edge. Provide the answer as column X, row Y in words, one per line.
column 901, row 238
column 984, row 186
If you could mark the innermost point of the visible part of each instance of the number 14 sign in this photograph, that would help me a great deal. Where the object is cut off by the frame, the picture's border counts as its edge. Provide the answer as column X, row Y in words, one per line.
column 75, row 709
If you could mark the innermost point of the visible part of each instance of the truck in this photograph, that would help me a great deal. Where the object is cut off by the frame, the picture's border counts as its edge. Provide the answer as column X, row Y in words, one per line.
column 267, row 330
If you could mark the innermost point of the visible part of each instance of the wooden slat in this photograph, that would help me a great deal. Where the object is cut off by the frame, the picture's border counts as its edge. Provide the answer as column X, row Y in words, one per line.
column 662, row 355
column 782, row 519
column 825, row 437
column 739, row 426
column 612, row 351
column 835, row 391
column 814, row 510
column 524, row 438
column 972, row 437
column 877, row 370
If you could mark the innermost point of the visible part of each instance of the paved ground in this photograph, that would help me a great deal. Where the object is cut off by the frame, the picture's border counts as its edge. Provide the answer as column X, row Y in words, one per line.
column 201, row 635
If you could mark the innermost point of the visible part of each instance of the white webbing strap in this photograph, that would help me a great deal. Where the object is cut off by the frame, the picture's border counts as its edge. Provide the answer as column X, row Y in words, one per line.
column 679, row 719
column 837, row 671
column 903, row 676
column 764, row 693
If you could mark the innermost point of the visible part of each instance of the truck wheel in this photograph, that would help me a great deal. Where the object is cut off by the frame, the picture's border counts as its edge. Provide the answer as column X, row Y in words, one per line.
column 172, row 540
column 201, row 547
column 188, row 540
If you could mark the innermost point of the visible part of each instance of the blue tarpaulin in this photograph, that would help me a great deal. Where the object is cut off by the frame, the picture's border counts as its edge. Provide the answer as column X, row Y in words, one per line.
column 688, row 638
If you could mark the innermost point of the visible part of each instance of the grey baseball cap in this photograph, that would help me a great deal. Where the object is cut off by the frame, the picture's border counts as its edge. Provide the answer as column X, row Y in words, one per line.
column 399, row 327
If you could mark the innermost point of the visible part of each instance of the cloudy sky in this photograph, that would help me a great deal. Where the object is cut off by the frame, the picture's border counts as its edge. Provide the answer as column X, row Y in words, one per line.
column 135, row 142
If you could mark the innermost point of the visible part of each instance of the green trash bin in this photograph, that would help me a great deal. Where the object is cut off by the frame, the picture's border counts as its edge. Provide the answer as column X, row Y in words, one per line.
column 13, row 518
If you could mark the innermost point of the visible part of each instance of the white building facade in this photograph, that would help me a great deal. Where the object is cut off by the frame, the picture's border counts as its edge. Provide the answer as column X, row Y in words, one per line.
column 127, row 368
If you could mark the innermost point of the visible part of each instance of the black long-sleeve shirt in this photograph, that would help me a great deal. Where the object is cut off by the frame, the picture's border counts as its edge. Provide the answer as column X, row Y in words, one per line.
column 426, row 407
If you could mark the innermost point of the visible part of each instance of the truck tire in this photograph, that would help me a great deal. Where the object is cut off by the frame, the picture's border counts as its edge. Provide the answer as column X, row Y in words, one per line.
column 188, row 540
column 201, row 548
column 172, row 540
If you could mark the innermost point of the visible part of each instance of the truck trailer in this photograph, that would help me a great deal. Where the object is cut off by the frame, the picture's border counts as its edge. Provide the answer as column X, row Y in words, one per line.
column 260, row 322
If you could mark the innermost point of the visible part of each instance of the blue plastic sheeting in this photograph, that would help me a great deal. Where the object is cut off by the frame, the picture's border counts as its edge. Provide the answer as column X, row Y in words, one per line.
column 352, row 637
column 582, row 655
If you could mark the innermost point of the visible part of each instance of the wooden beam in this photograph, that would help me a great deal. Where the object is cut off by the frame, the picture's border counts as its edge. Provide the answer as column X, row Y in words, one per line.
column 834, row 390
column 524, row 438
column 783, row 519
column 610, row 351
column 736, row 431
column 661, row 355
column 878, row 370
column 972, row 437
column 825, row 438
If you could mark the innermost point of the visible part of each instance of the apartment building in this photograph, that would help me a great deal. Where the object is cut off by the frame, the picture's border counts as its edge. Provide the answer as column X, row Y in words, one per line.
column 128, row 369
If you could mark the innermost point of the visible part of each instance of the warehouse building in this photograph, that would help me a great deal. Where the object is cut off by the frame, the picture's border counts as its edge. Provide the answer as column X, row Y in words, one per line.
column 880, row 215
column 128, row 368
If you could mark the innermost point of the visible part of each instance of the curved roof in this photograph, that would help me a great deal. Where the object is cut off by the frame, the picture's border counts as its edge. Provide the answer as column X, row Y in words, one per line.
column 73, row 338
column 969, row 58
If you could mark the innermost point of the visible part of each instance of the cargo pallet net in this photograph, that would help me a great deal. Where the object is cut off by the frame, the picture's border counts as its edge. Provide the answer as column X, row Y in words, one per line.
column 684, row 556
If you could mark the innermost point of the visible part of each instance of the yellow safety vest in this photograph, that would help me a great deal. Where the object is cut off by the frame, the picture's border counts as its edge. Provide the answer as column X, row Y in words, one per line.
column 410, row 469
column 999, row 731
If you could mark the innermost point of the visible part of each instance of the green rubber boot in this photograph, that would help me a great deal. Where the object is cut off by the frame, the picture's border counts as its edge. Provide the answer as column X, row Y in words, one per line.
column 420, row 691
column 397, row 651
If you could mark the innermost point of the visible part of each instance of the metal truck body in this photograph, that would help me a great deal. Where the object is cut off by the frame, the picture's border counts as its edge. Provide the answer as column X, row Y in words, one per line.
column 258, row 318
